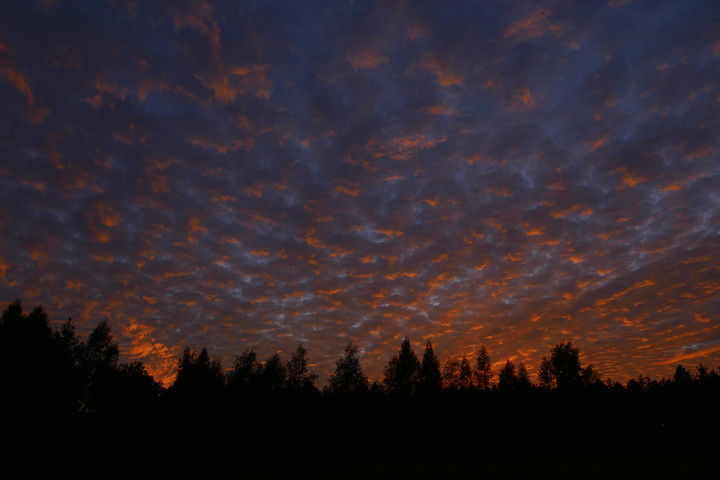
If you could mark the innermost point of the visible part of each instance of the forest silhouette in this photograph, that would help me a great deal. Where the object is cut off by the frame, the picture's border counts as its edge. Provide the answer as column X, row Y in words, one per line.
column 64, row 396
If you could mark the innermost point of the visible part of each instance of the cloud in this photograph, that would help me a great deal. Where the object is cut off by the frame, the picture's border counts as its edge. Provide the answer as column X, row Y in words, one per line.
column 445, row 75
column 257, row 177
column 532, row 26
column 367, row 58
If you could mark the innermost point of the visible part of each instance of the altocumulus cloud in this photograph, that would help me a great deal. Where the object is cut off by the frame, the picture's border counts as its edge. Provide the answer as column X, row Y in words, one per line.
column 263, row 175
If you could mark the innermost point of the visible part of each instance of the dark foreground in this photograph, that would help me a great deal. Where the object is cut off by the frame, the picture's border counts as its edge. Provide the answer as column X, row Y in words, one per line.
column 668, row 434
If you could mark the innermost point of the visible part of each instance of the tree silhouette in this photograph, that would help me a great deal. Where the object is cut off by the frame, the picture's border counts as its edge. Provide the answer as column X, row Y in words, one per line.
column 451, row 373
column 507, row 378
column 244, row 373
column 47, row 374
column 68, row 341
column 401, row 373
column 348, row 377
column 272, row 375
column 682, row 376
column 483, row 369
column 69, row 358
column 706, row 377
column 299, row 378
column 33, row 375
column 127, row 392
column 546, row 378
column 198, row 378
column 429, row 376
column 465, row 380
column 590, row 377
column 562, row 369
column 523, row 379
column 98, row 359
column 513, row 379
column 457, row 374
column 100, row 353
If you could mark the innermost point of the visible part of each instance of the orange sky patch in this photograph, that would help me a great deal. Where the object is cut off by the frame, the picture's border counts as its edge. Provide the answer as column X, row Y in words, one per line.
column 599, row 142
column 367, row 58
column 444, row 74
column 532, row 26
column 685, row 356
column 18, row 80
column 523, row 100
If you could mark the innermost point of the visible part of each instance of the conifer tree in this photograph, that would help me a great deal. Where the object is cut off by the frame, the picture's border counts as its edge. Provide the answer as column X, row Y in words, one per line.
column 483, row 369
column 299, row 377
column 429, row 376
column 348, row 377
column 401, row 373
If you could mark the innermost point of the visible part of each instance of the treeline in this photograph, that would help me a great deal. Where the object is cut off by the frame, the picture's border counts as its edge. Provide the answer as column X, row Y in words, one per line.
column 70, row 391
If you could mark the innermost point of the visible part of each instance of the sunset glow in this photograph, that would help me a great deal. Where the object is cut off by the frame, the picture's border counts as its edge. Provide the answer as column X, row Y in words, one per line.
column 268, row 174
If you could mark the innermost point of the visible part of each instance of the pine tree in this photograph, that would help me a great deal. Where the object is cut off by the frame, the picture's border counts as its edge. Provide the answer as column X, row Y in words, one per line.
column 483, row 369
column 272, row 376
column 523, row 379
column 457, row 374
column 348, row 377
column 401, row 373
column 507, row 379
column 429, row 377
column 563, row 369
column 243, row 376
column 299, row 378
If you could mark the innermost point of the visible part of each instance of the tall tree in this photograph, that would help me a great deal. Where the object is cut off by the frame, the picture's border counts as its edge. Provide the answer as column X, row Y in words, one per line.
column 244, row 373
column 348, row 376
column 564, row 370
column 299, row 377
column 68, row 341
column 451, row 373
column 546, row 377
column 100, row 353
column 483, row 369
column 457, row 374
column 523, row 379
column 69, row 358
column 98, row 358
column 198, row 376
column 466, row 374
column 127, row 392
column 29, row 359
column 272, row 375
column 682, row 376
column 507, row 378
column 429, row 377
column 401, row 373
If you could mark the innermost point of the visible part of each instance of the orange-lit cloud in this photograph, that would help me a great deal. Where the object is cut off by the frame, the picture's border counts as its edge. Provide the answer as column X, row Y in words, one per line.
column 445, row 75
column 367, row 58
column 199, row 17
column 19, row 81
column 241, row 80
column 599, row 142
column 628, row 178
column 158, row 357
column 532, row 26
column 684, row 357
column 523, row 100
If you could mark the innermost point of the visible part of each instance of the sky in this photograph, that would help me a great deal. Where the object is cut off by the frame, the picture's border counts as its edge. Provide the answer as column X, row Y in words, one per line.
column 265, row 174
